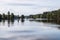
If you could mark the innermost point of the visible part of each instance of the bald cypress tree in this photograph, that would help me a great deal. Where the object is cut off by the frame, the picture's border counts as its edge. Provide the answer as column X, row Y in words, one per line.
column 12, row 16
column 3, row 16
column 0, row 16
column 8, row 16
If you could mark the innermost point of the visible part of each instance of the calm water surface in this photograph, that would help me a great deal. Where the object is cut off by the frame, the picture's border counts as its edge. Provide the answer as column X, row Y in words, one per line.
column 29, row 30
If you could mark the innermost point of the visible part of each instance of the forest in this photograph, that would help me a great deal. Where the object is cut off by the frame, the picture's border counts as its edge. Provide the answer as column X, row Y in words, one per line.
column 49, row 15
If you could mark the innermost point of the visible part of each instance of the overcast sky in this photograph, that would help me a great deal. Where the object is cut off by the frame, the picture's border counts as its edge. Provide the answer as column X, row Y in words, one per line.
column 28, row 7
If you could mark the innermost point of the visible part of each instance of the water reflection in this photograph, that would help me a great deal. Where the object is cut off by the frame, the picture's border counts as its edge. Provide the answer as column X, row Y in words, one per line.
column 18, row 20
column 36, row 30
column 3, row 22
column 47, row 21
column 58, row 27
column 8, row 22
column 22, row 20
column 11, row 22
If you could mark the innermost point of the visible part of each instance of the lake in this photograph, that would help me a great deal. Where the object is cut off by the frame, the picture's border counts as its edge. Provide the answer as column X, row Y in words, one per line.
column 29, row 30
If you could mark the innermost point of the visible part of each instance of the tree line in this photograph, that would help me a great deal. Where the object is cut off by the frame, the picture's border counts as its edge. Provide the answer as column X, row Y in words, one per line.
column 8, row 16
column 49, row 15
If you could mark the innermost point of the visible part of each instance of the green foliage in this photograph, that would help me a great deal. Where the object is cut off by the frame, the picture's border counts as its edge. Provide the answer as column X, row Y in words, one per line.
column 49, row 15
column 12, row 16
column 0, row 16
column 8, row 16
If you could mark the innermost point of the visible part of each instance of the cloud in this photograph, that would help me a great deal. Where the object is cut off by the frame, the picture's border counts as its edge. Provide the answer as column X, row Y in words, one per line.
column 28, row 6
column 19, row 4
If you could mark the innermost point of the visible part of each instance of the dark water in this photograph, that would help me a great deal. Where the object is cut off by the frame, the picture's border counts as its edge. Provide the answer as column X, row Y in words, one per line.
column 29, row 30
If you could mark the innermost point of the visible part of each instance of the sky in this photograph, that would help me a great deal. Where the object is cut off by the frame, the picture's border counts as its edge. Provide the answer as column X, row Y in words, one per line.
column 28, row 7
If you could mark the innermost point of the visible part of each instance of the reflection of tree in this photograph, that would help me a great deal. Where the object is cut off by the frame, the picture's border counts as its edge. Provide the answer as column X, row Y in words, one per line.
column 48, row 21
column 12, row 22
column 22, row 17
column 58, row 27
column 3, row 22
column 22, row 20
column 18, row 20
column 8, row 23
